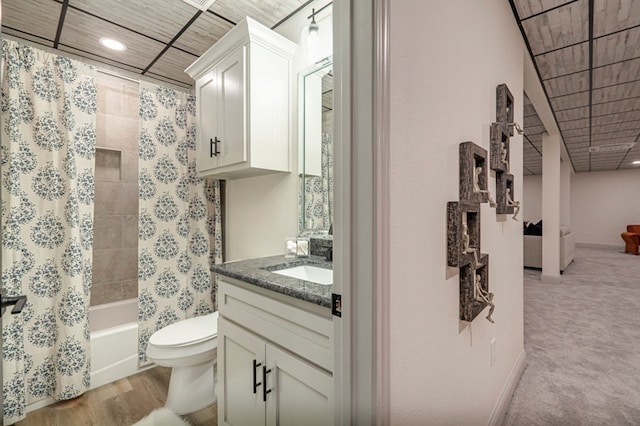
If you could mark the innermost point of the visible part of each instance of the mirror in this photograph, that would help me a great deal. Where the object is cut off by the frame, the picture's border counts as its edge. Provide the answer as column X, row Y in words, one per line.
column 315, row 149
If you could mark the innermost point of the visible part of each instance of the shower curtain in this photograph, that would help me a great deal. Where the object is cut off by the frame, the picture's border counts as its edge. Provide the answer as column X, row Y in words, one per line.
column 175, row 223
column 47, row 165
column 318, row 192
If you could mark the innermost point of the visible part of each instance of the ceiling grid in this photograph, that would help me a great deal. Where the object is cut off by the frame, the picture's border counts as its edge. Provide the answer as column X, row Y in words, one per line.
column 163, row 37
column 587, row 54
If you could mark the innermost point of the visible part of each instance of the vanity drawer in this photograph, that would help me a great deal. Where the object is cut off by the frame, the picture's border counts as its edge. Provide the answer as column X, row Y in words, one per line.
column 304, row 332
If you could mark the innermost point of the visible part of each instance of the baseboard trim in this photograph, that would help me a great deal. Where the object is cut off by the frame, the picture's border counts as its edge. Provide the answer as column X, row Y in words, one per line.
column 602, row 246
column 551, row 279
column 500, row 410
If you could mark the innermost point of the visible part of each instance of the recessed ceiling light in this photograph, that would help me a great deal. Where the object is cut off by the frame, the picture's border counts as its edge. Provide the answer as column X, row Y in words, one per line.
column 112, row 44
column 636, row 162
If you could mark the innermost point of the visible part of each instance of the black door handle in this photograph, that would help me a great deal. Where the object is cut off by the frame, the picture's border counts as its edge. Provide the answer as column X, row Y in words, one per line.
column 265, row 391
column 213, row 147
column 256, row 364
column 17, row 301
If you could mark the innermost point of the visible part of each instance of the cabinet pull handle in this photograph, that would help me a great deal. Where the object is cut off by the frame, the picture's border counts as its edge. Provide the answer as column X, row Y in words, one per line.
column 265, row 391
column 256, row 364
column 213, row 147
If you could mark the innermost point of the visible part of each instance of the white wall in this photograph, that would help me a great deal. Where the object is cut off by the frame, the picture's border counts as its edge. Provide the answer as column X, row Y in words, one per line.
column 447, row 57
column 532, row 198
column 603, row 204
column 262, row 211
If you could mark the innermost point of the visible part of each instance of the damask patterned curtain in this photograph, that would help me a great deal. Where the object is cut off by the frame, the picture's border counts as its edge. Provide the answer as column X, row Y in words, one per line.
column 318, row 191
column 47, row 164
column 175, row 226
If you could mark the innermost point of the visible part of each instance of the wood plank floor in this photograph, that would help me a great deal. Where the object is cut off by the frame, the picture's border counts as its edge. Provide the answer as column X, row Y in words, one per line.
column 121, row 403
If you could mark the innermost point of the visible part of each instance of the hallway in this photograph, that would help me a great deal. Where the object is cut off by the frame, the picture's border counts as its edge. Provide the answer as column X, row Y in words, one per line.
column 583, row 344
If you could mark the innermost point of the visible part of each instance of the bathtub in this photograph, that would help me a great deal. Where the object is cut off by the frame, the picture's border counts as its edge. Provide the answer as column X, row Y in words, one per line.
column 113, row 331
column 114, row 341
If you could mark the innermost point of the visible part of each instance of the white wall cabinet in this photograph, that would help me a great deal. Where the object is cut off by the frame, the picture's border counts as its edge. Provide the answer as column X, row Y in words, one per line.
column 261, row 380
column 243, row 102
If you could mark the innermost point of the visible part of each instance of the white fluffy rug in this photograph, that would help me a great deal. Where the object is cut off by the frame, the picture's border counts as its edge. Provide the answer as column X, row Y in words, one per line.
column 162, row 417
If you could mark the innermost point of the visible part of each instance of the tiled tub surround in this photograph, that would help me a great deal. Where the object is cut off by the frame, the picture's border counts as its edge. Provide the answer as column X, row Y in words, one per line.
column 259, row 272
column 115, row 247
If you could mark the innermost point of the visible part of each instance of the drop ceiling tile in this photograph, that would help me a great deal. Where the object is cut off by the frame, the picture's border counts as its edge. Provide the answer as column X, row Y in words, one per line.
column 35, row 20
column 633, row 155
column 568, row 84
column 578, row 146
column 202, row 34
column 158, row 19
column 558, row 28
column 82, row 32
column 621, row 117
column 527, row 8
column 616, row 47
column 565, row 61
column 528, row 110
column 532, row 120
column 573, row 124
column 615, row 127
column 616, row 136
column 576, row 132
column 28, row 37
column 172, row 65
column 570, row 101
column 621, row 72
column 614, row 15
column 617, row 106
column 576, row 139
column 573, row 114
column 82, row 54
column 535, row 137
column 616, row 93
column 579, row 158
column 268, row 13
column 627, row 164
column 534, row 130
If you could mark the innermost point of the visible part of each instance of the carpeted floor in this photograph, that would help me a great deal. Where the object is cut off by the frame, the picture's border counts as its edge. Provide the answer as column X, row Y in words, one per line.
column 582, row 339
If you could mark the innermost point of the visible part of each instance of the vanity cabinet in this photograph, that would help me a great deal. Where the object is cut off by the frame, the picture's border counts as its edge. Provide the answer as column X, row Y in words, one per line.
column 243, row 103
column 274, row 360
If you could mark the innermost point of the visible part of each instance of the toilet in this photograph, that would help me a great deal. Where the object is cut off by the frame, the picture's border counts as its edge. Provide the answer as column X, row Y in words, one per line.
column 189, row 347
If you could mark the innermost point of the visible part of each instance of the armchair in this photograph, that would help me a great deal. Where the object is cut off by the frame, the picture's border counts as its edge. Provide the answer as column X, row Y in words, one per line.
column 632, row 239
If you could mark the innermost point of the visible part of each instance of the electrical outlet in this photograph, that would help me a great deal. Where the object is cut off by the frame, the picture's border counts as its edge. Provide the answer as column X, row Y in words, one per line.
column 493, row 351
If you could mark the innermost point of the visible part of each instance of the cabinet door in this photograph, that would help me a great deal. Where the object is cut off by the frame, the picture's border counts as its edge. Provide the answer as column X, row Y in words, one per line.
column 232, row 117
column 207, row 113
column 239, row 401
column 301, row 393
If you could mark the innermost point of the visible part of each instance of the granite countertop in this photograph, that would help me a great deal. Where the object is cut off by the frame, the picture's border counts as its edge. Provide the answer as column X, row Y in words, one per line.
column 258, row 272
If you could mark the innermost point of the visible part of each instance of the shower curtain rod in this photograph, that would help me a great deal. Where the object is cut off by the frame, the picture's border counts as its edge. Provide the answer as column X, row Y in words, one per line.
column 140, row 80
column 115, row 74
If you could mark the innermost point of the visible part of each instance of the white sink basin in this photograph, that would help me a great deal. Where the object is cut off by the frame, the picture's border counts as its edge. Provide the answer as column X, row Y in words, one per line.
column 309, row 273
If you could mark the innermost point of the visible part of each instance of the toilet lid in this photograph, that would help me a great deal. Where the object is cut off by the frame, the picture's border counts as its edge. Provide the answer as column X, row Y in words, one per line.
column 189, row 331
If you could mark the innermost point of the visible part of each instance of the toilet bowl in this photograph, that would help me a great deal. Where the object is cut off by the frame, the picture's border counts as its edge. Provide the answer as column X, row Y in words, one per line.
column 189, row 347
